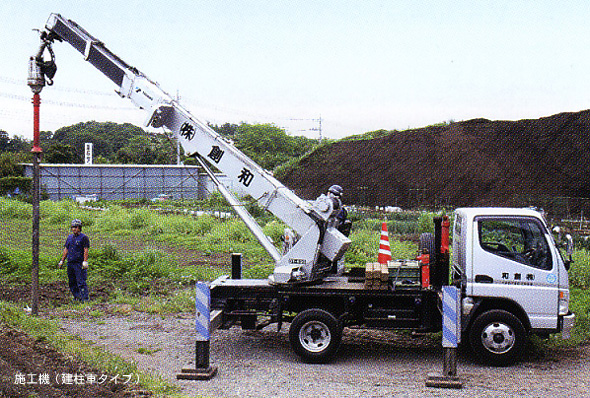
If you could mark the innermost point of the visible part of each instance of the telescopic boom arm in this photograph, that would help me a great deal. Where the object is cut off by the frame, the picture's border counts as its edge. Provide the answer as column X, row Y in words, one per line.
column 320, row 244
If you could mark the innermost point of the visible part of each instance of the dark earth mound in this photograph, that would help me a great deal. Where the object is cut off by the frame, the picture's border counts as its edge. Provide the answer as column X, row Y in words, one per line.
column 471, row 163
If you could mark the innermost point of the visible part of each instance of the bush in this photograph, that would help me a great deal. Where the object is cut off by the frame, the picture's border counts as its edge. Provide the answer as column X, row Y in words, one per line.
column 233, row 231
column 10, row 165
column 10, row 184
column 13, row 208
column 114, row 219
column 137, row 272
column 61, row 213
column 579, row 273
column 204, row 224
column 275, row 231
column 107, row 262
column 365, row 248
column 140, row 218
column 6, row 265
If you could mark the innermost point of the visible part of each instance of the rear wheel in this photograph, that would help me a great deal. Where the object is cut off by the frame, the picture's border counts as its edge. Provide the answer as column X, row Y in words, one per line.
column 497, row 337
column 315, row 335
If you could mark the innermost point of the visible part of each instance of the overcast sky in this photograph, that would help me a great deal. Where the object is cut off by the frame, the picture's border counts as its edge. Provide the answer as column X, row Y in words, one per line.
column 360, row 65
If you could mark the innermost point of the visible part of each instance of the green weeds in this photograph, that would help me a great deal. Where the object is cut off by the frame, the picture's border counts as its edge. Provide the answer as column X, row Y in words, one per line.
column 365, row 248
column 579, row 273
column 49, row 331
column 12, row 208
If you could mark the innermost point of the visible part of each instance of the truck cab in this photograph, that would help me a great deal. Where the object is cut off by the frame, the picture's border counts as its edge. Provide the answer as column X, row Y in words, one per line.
column 514, row 280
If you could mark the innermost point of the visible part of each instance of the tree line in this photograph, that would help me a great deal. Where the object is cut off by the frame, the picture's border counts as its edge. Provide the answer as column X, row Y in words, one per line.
column 114, row 143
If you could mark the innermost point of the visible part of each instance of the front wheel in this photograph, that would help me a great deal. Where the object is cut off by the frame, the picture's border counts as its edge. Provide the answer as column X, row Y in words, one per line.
column 497, row 337
column 315, row 335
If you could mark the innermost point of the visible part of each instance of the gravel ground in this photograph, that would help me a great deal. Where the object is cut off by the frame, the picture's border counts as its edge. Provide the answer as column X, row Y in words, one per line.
column 369, row 363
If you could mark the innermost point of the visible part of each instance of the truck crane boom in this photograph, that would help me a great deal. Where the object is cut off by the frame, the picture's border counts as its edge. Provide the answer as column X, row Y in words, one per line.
column 320, row 244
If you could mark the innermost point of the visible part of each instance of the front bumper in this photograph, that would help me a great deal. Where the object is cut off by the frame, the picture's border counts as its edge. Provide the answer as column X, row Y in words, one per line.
column 567, row 324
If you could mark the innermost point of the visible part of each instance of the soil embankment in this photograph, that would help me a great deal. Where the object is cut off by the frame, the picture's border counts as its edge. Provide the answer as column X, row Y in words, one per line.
column 471, row 163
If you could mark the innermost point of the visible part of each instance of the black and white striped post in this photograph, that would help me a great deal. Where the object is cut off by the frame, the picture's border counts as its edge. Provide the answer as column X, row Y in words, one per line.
column 203, row 370
column 451, row 329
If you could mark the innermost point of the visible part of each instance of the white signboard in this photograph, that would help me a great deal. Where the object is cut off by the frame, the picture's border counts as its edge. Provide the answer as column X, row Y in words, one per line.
column 88, row 153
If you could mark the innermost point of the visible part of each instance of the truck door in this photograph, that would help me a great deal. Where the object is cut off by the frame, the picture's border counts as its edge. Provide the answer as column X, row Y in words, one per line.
column 512, row 259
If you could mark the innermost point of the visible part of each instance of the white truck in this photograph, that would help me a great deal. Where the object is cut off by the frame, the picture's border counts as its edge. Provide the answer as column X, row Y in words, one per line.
column 511, row 275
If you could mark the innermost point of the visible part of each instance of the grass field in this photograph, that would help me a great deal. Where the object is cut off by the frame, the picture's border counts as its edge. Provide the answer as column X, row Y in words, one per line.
column 149, row 260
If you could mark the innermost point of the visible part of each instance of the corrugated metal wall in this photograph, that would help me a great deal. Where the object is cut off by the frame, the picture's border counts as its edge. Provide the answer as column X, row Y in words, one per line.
column 124, row 181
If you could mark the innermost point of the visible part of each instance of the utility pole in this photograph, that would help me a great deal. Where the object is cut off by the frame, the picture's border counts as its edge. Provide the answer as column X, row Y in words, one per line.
column 36, row 81
column 319, row 128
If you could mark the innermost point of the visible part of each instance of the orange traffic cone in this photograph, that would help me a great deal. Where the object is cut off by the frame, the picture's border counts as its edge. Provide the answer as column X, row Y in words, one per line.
column 384, row 249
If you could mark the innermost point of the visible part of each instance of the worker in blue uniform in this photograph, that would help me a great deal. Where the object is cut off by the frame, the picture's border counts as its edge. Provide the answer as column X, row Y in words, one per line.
column 76, row 251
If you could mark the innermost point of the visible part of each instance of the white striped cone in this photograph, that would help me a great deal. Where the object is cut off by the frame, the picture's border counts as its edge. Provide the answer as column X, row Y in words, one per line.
column 384, row 249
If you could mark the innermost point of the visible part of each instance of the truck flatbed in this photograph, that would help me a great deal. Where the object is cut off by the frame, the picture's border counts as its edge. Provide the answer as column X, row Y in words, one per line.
column 247, row 301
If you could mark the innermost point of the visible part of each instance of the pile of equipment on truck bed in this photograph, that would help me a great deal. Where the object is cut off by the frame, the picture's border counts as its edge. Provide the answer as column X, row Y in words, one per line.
column 396, row 273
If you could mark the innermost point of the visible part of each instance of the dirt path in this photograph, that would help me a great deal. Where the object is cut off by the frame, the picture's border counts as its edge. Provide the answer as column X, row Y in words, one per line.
column 369, row 364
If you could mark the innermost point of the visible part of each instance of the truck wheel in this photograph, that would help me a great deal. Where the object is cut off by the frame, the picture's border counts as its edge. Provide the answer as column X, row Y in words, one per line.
column 315, row 335
column 497, row 337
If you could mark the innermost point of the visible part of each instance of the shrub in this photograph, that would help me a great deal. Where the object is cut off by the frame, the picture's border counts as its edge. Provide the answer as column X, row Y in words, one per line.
column 365, row 248
column 10, row 184
column 204, row 224
column 6, row 265
column 140, row 218
column 13, row 208
column 579, row 273
column 108, row 263
column 115, row 218
column 137, row 272
column 229, row 232
column 275, row 231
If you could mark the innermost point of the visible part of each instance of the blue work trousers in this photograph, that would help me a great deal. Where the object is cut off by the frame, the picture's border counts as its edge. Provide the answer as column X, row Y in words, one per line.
column 77, row 280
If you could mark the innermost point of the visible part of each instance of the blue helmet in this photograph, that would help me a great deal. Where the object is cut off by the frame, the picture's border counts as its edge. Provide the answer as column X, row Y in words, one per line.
column 336, row 190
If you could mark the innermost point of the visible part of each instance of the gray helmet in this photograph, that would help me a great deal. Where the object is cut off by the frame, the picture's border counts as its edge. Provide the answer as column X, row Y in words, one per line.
column 76, row 223
column 336, row 190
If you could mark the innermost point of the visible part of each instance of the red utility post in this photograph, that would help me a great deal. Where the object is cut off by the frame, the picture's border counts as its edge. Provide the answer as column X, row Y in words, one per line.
column 36, row 109
column 37, row 151
column 36, row 82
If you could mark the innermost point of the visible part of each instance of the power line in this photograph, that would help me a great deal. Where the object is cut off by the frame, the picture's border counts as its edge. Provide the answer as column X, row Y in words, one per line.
column 68, row 104
column 187, row 101
column 23, row 82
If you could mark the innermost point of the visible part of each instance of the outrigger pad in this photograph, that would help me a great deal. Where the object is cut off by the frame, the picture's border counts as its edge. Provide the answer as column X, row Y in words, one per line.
column 197, row 374
column 437, row 380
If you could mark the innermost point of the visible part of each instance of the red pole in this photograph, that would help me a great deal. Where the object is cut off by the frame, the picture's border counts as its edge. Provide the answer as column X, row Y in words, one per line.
column 36, row 108
column 36, row 194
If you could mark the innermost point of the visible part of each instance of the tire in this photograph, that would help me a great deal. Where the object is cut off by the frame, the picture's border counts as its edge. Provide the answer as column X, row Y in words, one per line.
column 315, row 335
column 427, row 242
column 497, row 337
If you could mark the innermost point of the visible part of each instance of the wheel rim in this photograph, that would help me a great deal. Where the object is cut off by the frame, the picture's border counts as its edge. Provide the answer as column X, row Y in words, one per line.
column 498, row 337
column 315, row 336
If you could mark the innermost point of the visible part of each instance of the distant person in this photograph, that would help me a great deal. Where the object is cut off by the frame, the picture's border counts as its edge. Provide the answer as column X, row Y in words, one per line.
column 340, row 223
column 335, row 192
column 76, row 251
